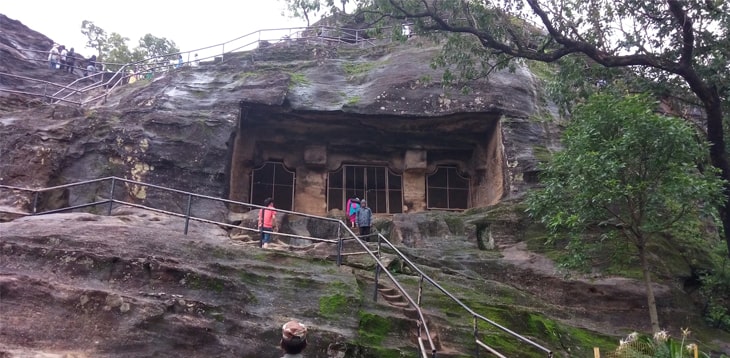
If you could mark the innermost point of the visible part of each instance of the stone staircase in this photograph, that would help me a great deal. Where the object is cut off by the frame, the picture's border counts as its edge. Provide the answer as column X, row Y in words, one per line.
column 394, row 298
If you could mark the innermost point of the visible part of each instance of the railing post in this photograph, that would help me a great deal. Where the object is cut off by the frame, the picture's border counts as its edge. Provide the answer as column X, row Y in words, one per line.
column 187, row 213
column 378, row 247
column 111, row 197
column 339, row 251
column 35, row 202
column 377, row 276
column 420, row 291
column 476, row 337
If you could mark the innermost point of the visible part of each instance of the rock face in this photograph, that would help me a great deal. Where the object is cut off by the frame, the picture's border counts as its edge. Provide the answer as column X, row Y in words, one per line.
column 309, row 124
column 112, row 286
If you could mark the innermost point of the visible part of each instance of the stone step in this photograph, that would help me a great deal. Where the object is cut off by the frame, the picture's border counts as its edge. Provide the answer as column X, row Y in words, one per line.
column 397, row 297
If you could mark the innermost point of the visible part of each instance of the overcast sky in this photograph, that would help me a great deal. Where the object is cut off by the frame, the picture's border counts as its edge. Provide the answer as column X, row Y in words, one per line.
column 190, row 24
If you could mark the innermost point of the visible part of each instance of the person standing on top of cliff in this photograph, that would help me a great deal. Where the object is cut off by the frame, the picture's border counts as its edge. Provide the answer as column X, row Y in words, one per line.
column 53, row 57
column 293, row 339
column 70, row 60
column 90, row 66
column 64, row 52
column 267, row 222
column 352, row 207
column 364, row 218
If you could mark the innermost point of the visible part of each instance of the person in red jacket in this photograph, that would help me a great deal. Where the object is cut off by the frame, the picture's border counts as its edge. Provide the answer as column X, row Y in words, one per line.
column 267, row 222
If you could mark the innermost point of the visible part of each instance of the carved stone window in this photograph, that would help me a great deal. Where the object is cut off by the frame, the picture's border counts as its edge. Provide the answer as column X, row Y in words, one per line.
column 273, row 180
column 382, row 188
column 447, row 189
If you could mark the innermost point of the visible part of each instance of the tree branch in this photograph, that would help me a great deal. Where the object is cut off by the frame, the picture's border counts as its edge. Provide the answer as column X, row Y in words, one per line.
column 688, row 37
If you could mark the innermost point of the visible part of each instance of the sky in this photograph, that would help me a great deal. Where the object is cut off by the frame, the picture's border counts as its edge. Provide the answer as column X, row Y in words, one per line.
column 190, row 24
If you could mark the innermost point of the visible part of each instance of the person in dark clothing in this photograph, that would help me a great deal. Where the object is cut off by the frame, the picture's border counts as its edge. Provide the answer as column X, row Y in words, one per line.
column 364, row 218
column 70, row 61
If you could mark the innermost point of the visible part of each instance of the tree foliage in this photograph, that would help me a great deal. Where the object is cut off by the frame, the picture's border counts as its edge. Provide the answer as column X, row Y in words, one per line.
column 96, row 37
column 678, row 45
column 153, row 46
column 630, row 173
column 117, row 52
column 309, row 9
column 113, row 49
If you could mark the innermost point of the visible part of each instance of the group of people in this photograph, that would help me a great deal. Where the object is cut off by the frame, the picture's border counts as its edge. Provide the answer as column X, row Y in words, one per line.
column 61, row 59
column 65, row 60
column 360, row 215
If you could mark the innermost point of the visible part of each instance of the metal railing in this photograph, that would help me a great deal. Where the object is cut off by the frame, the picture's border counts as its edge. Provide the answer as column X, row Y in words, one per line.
column 161, row 64
column 476, row 316
column 344, row 233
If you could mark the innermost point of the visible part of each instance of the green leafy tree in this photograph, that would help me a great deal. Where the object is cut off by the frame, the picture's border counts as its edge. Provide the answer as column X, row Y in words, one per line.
column 630, row 173
column 113, row 47
column 117, row 52
column 680, row 44
column 303, row 8
column 153, row 46
column 96, row 37
column 331, row 4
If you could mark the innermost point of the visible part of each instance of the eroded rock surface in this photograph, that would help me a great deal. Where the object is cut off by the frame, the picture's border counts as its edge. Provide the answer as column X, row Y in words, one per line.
column 132, row 284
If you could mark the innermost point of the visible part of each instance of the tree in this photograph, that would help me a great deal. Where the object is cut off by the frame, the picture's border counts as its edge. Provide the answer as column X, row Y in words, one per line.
column 331, row 4
column 117, row 52
column 97, row 37
column 303, row 8
column 307, row 9
column 153, row 46
column 113, row 48
column 631, row 174
column 681, row 43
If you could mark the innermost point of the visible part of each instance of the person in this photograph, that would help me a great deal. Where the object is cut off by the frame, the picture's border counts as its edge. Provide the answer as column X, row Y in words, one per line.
column 364, row 218
column 62, row 64
column 352, row 207
column 70, row 60
column 179, row 61
column 406, row 30
column 196, row 62
column 267, row 222
column 90, row 66
column 53, row 57
column 293, row 339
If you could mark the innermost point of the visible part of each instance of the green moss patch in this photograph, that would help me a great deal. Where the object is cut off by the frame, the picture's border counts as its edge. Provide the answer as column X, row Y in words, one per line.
column 341, row 299
column 357, row 69
column 372, row 329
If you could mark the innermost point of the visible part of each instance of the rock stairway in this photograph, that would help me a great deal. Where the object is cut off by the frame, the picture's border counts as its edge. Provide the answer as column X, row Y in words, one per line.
column 394, row 298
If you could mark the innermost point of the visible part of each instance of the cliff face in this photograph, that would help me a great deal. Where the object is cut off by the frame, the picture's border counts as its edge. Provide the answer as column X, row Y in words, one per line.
column 309, row 124
column 309, row 109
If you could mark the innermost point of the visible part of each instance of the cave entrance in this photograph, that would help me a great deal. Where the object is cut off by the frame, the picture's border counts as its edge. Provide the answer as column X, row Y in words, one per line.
column 447, row 189
column 382, row 188
column 273, row 180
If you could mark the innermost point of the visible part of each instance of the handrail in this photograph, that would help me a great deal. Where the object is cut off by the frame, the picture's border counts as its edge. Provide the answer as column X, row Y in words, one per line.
column 349, row 233
column 188, row 216
column 464, row 306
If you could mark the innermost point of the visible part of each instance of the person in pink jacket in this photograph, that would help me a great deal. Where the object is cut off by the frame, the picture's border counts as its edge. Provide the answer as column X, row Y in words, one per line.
column 267, row 222
column 352, row 207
